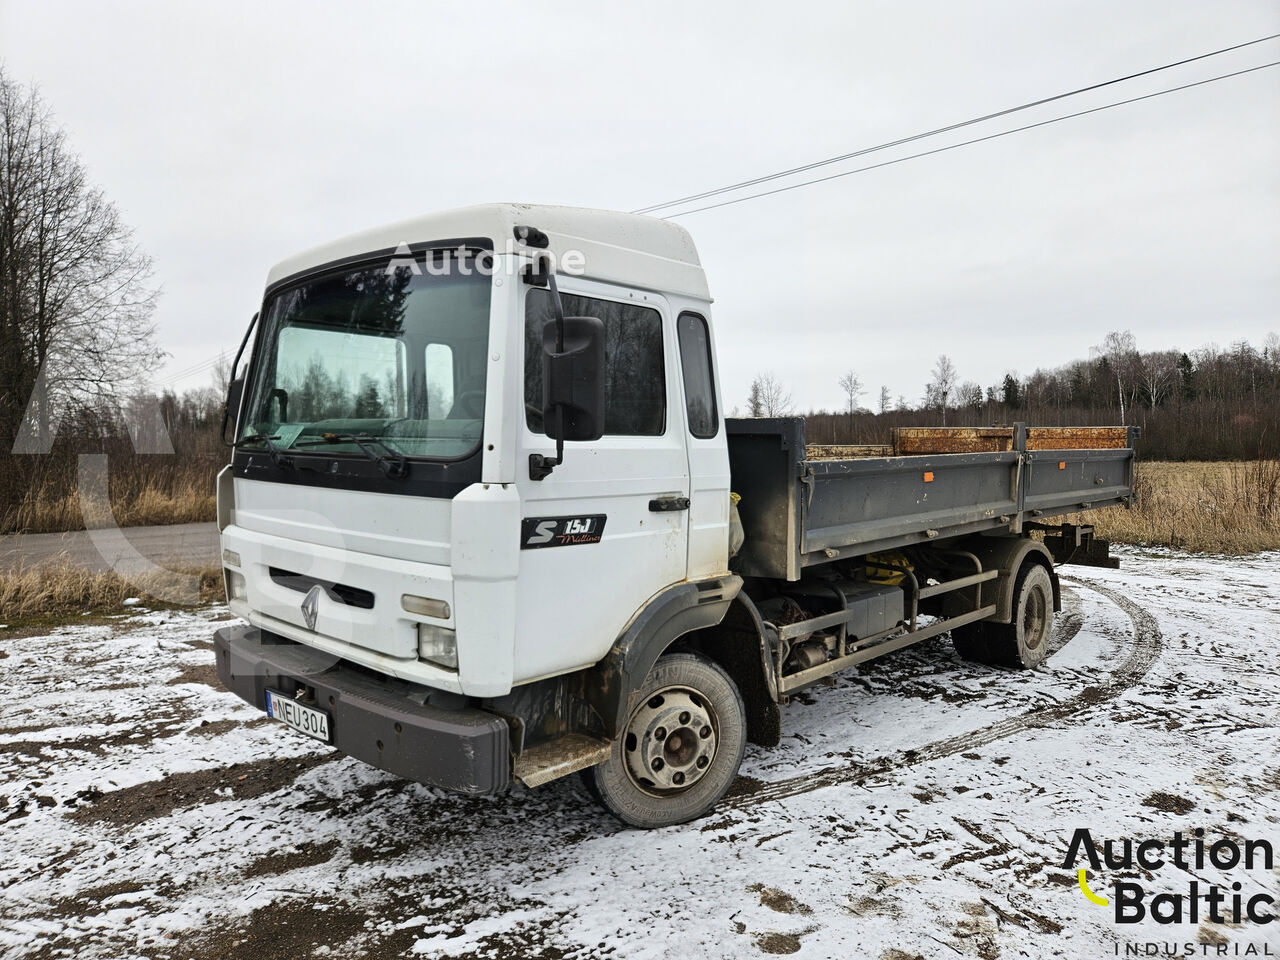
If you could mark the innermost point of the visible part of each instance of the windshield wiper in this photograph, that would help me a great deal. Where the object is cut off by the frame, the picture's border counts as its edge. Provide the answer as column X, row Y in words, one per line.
column 277, row 454
column 391, row 461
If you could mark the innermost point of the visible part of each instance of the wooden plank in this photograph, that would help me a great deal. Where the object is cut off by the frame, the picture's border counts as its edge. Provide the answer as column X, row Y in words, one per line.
column 908, row 441
column 846, row 451
column 1077, row 438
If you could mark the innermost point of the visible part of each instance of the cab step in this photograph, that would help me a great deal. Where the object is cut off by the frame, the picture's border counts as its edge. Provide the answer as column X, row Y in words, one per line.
column 559, row 758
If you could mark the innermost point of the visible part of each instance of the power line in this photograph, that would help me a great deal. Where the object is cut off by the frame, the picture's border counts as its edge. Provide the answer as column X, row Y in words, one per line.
column 965, row 143
column 189, row 371
column 937, row 130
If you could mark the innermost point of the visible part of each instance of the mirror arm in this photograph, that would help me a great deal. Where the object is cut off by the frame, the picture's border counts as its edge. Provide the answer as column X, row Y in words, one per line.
column 226, row 408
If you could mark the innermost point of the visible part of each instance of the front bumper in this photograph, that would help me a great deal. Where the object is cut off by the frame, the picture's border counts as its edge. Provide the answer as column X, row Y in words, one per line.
column 388, row 723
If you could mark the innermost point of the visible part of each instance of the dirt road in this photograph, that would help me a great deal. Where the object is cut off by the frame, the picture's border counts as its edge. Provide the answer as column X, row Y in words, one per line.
column 918, row 807
column 175, row 546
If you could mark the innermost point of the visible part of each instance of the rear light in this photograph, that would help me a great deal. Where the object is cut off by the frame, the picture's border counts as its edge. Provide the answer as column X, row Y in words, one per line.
column 438, row 645
column 236, row 589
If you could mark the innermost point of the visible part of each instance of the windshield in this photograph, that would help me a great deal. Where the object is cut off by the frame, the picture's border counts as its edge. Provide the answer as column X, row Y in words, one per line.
column 392, row 353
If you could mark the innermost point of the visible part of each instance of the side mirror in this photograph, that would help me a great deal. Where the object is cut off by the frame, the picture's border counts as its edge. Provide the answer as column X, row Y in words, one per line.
column 573, row 379
column 231, row 410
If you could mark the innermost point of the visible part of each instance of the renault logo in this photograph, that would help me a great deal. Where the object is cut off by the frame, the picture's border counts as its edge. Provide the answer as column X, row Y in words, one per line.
column 311, row 607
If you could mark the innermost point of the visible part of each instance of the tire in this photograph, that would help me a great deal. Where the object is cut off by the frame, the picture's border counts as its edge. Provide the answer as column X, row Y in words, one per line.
column 681, row 748
column 1023, row 643
column 970, row 642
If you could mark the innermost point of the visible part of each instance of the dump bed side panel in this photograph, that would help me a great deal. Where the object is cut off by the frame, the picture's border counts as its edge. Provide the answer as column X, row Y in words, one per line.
column 798, row 512
column 1065, row 481
column 865, row 506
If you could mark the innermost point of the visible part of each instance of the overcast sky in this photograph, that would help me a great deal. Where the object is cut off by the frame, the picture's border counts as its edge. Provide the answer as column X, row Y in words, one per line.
column 234, row 134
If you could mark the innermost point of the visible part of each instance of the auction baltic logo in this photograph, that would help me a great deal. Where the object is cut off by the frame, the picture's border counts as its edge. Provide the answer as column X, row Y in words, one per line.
column 1192, row 855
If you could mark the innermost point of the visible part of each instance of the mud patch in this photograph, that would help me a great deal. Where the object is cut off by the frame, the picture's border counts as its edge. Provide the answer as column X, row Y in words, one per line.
column 778, row 900
column 303, row 855
column 206, row 673
column 291, row 928
column 158, row 798
column 93, row 901
column 778, row 943
column 1169, row 803
column 213, row 728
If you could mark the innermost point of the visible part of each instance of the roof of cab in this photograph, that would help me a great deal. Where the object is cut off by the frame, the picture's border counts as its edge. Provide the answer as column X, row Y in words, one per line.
column 617, row 247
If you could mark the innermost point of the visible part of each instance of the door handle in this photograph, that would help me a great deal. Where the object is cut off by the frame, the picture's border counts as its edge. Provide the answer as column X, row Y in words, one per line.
column 669, row 504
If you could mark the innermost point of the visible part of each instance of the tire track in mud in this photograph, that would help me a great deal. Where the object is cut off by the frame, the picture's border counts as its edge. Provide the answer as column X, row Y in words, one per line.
column 1147, row 644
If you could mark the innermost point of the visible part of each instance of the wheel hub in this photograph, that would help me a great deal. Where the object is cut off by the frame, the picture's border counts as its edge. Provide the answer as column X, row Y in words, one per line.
column 670, row 741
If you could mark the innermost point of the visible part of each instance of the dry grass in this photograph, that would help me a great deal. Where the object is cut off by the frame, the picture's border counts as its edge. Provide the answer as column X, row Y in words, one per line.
column 1231, row 508
column 62, row 589
column 185, row 497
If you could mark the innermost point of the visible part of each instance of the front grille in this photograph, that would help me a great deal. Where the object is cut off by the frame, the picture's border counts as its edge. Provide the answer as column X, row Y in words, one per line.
column 340, row 592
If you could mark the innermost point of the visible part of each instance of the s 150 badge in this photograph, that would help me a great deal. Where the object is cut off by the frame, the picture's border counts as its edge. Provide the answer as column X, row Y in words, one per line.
column 561, row 531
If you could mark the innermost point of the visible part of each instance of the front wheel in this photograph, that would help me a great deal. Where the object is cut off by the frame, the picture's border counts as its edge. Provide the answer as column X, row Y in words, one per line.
column 681, row 747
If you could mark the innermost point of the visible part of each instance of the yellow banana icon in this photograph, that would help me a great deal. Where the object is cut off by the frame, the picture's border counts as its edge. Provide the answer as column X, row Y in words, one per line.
column 1089, row 894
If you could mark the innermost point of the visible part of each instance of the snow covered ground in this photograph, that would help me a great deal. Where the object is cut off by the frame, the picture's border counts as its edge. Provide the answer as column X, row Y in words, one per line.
column 919, row 806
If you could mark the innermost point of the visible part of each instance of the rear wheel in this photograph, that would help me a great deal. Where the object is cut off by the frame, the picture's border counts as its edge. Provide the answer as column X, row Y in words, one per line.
column 681, row 747
column 970, row 641
column 1023, row 643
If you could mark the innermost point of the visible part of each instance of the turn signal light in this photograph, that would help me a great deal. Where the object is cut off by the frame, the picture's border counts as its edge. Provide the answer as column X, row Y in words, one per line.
column 425, row 606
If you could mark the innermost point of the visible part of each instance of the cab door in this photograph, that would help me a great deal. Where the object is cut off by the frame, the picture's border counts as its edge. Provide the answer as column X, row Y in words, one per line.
column 609, row 527
column 708, row 450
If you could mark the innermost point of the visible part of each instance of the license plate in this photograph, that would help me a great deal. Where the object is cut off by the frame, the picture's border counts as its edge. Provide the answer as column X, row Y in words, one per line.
column 304, row 719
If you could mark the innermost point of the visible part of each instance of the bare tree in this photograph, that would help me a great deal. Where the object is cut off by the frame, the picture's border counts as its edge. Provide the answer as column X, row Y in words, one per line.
column 969, row 395
column 885, row 399
column 75, row 294
column 1121, row 353
column 851, row 385
column 942, row 385
column 1158, row 372
column 769, row 398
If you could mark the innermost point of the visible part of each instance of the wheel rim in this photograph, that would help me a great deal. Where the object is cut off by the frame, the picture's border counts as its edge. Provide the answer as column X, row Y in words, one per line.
column 671, row 741
column 1035, row 617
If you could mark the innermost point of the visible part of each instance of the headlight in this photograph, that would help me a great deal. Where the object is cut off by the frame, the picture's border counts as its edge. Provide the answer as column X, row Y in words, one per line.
column 438, row 645
column 235, row 585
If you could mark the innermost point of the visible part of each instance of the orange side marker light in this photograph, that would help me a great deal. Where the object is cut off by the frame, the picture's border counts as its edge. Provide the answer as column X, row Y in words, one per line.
column 1062, row 464
column 928, row 476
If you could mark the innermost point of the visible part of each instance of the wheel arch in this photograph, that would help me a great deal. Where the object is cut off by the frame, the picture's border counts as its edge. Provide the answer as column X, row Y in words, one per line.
column 739, row 645
column 1009, row 555
column 609, row 686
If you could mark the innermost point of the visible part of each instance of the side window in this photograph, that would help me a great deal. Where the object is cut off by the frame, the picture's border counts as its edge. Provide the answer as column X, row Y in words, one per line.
column 695, row 362
column 635, row 395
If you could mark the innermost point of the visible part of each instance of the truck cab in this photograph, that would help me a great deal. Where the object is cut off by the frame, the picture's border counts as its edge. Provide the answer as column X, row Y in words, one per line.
column 380, row 510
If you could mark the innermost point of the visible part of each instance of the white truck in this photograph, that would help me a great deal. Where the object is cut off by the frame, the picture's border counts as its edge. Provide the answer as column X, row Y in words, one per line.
column 485, row 520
